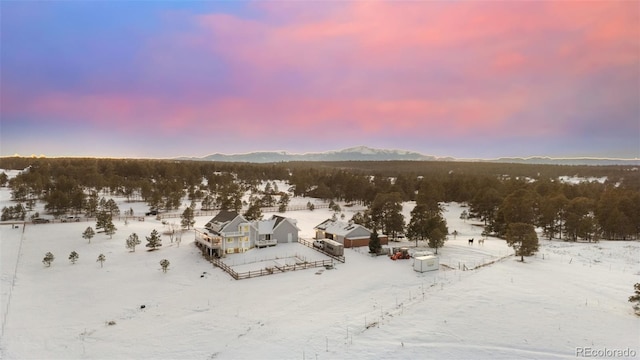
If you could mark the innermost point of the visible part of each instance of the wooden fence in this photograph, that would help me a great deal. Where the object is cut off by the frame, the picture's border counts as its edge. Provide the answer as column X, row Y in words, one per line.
column 270, row 270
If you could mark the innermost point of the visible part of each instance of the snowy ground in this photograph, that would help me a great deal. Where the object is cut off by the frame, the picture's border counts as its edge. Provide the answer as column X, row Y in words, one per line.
column 566, row 297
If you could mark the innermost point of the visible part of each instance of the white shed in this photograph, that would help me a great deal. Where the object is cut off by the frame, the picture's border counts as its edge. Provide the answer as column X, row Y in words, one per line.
column 426, row 263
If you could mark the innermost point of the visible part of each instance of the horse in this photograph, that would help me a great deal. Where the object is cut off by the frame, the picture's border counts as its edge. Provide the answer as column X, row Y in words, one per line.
column 471, row 241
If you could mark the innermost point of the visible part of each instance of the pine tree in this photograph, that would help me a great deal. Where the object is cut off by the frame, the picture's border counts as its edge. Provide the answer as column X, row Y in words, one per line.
column 165, row 264
column 636, row 298
column 437, row 238
column 101, row 259
column 283, row 203
column 88, row 234
column 73, row 257
column 523, row 239
column 110, row 228
column 187, row 218
column 254, row 212
column 132, row 241
column 374, row 243
column 48, row 258
column 154, row 241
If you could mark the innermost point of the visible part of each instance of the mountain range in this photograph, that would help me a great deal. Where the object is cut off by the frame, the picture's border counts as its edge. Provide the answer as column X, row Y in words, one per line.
column 364, row 153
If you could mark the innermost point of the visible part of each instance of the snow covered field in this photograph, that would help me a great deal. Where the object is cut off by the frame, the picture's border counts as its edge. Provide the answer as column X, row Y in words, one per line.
column 569, row 296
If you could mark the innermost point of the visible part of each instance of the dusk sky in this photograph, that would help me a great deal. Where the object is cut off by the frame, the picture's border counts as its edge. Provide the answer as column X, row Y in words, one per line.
column 469, row 79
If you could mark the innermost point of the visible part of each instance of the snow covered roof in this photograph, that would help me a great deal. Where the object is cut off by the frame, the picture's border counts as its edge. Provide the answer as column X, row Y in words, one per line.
column 267, row 226
column 219, row 221
column 336, row 227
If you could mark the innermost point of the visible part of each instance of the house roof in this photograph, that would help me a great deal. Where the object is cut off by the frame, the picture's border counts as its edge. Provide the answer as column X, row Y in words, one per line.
column 267, row 226
column 224, row 216
column 219, row 221
column 336, row 227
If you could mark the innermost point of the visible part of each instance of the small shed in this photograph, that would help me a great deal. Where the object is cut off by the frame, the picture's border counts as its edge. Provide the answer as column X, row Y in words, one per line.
column 426, row 263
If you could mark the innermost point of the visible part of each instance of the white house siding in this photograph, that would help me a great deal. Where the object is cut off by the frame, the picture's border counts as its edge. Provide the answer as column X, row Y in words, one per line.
column 282, row 231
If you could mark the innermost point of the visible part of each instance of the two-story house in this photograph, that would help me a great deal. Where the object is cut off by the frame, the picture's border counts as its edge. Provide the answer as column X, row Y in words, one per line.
column 229, row 232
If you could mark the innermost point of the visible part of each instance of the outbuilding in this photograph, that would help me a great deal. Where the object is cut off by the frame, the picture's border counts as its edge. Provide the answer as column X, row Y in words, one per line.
column 348, row 234
column 426, row 263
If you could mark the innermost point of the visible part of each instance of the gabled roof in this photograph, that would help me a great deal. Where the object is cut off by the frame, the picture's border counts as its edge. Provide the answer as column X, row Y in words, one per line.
column 221, row 220
column 336, row 227
column 279, row 219
column 268, row 226
column 224, row 216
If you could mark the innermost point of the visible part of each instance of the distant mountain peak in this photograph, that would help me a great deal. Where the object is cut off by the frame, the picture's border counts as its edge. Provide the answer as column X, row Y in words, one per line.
column 366, row 153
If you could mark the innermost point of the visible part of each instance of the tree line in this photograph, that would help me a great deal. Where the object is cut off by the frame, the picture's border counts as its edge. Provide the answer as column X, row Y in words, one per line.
column 499, row 194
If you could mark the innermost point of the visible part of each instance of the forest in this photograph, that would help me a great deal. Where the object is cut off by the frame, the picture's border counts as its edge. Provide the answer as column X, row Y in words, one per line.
column 498, row 194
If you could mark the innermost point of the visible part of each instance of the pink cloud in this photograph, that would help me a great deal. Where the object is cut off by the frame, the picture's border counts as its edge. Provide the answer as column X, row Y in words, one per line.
column 398, row 68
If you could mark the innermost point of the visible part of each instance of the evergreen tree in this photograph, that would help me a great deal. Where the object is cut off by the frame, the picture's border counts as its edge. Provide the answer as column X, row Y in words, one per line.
column 187, row 218
column 208, row 202
column 254, row 212
column 374, row 243
column 428, row 224
column 132, row 241
column 418, row 227
column 88, row 234
column 110, row 228
column 91, row 204
column 111, row 207
column 101, row 259
column 635, row 298
column 48, row 258
column 283, row 202
column 437, row 237
column 73, row 257
column 154, row 241
column 164, row 263
column 522, row 238
column 386, row 213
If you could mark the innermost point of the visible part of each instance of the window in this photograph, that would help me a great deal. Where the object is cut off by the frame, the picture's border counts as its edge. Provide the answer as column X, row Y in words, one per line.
column 229, row 240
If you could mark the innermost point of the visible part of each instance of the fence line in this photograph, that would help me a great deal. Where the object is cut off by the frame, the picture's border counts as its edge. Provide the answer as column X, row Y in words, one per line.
column 267, row 271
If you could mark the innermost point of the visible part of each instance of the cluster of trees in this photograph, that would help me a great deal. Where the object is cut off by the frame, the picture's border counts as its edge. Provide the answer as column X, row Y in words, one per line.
column 73, row 258
column 427, row 221
column 154, row 241
column 16, row 212
column 588, row 211
column 498, row 193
